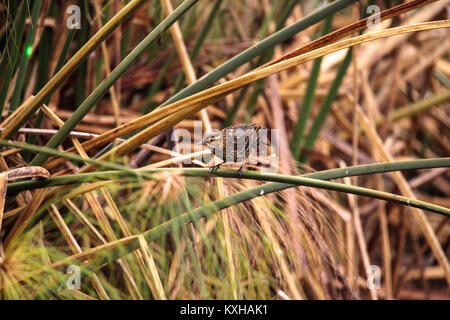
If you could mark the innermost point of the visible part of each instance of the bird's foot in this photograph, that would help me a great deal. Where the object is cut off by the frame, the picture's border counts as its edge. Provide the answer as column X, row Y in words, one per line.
column 214, row 168
column 240, row 171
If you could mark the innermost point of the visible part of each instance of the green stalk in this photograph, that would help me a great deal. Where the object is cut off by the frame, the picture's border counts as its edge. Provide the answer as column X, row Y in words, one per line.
column 284, row 181
column 218, row 205
column 258, row 49
column 10, row 17
column 10, row 57
column 204, row 82
column 24, row 60
column 257, row 90
column 81, row 75
column 118, row 174
column 326, row 105
column 206, row 28
column 293, row 180
column 299, row 130
column 125, row 42
column 257, row 87
column 41, row 78
column 420, row 106
column 199, row 42
column 442, row 78
column 95, row 96
column 68, row 155
column 298, row 139
column 65, row 50
column 43, row 74
column 44, row 52
column 117, row 249
column 75, row 62
column 234, row 109
column 155, row 86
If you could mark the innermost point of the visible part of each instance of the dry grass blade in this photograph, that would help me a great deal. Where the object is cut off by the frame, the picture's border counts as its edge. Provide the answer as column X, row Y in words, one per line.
column 349, row 29
column 27, row 172
column 24, row 218
column 184, row 57
column 74, row 246
column 17, row 174
column 17, row 113
column 32, row 104
column 357, row 225
column 158, row 290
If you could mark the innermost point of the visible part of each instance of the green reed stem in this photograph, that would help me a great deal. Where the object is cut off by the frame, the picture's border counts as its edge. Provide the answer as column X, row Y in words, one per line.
column 104, row 86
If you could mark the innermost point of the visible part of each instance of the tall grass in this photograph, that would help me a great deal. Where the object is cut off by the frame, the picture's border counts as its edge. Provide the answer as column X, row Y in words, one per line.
column 98, row 185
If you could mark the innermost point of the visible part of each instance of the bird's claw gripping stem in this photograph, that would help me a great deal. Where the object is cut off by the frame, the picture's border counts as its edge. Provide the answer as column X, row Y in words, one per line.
column 214, row 168
column 241, row 168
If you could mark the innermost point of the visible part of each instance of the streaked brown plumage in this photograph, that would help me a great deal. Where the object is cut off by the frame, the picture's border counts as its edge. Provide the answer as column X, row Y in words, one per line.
column 233, row 144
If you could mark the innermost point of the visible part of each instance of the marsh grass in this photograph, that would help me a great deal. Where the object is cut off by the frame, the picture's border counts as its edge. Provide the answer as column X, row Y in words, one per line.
column 183, row 233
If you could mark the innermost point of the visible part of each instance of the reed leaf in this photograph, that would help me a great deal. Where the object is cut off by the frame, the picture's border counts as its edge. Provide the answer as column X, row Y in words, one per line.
column 75, row 62
column 258, row 49
column 109, row 252
column 103, row 88
column 179, row 110
column 326, row 105
column 300, row 126
column 201, row 172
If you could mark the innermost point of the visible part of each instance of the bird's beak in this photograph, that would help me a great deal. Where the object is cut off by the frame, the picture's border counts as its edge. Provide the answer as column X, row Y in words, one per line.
column 202, row 142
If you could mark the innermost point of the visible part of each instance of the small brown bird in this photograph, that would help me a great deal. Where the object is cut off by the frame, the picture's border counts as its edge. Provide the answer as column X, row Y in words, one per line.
column 234, row 144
